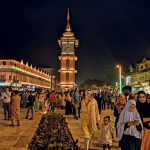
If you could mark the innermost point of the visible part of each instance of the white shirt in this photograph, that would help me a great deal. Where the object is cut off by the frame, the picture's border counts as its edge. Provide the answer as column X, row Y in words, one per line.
column 6, row 97
column 106, row 134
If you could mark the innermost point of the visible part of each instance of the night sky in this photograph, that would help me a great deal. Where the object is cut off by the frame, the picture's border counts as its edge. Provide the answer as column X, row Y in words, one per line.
column 110, row 32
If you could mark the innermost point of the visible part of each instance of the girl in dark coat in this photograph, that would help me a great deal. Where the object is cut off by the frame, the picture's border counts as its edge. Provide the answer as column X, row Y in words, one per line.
column 144, row 110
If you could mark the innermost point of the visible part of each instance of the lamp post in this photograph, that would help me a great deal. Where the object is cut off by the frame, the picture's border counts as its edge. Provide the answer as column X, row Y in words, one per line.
column 120, row 78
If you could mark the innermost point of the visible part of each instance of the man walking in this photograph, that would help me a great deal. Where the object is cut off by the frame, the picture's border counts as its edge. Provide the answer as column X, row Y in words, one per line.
column 89, row 117
column 30, row 105
column 76, row 101
column 53, row 99
column 6, row 103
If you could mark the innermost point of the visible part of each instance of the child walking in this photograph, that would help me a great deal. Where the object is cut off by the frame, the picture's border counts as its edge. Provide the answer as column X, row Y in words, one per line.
column 106, row 133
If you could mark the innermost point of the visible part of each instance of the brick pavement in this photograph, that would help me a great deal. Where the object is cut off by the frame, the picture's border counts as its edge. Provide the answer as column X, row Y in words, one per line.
column 18, row 137
column 74, row 126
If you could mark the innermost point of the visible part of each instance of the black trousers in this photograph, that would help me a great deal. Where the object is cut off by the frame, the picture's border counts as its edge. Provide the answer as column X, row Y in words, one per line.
column 103, row 105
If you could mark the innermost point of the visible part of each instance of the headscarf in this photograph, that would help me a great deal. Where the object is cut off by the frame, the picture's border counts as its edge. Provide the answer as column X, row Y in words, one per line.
column 119, row 105
column 143, row 108
column 125, row 117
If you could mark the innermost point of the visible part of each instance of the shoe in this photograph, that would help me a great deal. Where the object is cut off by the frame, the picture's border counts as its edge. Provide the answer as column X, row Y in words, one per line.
column 18, row 122
column 11, row 125
column 31, row 118
column 26, row 117
column 5, row 119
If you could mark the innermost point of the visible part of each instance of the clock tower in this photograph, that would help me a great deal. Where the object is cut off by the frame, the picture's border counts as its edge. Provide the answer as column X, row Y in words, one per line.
column 67, row 59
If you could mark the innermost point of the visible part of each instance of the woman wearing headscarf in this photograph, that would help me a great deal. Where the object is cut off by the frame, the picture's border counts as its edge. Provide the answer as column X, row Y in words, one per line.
column 144, row 110
column 120, row 104
column 129, row 127
column 15, row 108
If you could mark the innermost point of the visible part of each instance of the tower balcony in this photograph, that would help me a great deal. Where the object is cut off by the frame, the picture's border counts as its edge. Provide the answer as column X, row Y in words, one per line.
column 67, row 84
column 68, row 56
column 67, row 71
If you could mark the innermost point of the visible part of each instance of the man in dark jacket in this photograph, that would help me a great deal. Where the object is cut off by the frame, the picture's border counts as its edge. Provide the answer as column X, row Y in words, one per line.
column 30, row 104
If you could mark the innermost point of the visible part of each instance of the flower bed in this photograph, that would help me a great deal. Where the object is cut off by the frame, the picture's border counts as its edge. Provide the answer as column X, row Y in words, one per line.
column 52, row 134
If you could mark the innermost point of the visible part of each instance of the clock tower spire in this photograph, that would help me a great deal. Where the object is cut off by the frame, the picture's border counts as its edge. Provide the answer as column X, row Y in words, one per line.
column 68, row 22
column 68, row 43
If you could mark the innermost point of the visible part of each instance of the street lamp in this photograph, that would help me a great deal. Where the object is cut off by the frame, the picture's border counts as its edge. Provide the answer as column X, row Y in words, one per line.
column 120, row 78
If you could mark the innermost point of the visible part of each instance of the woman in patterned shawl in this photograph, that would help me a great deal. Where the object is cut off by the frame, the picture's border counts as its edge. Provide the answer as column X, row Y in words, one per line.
column 15, row 108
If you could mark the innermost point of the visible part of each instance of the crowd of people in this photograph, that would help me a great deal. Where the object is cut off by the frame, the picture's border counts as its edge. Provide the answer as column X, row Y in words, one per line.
column 131, row 112
column 43, row 102
column 132, row 123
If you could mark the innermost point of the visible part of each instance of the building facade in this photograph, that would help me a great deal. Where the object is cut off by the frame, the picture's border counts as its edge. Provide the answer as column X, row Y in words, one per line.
column 67, row 59
column 140, row 75
column 17, row 74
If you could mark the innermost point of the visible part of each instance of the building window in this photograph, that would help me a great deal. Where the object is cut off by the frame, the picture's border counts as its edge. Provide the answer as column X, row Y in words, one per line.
column 141, row 78
column 141, row 67
column 67, row 63
column 2, row 77
column 67, row 77
column 9, row 77
column 4, row 62
column 137, row 68
column 146, row 65
column 147, row 76
column 134, row 79
column 11, row 63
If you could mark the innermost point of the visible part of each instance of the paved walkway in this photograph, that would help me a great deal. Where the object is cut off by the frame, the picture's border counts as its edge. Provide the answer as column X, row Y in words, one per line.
column 74, row 126
column 18, row 137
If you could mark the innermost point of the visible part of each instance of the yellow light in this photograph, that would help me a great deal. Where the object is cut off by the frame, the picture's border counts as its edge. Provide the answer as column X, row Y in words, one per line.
column 118, row 66
column 120, row 78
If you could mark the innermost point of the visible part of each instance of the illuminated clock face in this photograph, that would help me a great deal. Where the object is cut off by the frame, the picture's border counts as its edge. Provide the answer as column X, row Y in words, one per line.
column 68, row 48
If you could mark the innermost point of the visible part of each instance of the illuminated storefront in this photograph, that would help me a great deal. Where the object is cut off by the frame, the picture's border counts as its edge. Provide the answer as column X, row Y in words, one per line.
column 140, row 75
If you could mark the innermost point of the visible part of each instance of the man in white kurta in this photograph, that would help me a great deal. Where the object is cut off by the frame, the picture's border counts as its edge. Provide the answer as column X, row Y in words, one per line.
column 89, row 117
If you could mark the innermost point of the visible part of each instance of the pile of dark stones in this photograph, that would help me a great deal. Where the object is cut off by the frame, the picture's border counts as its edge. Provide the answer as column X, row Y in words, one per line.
column 53, row 134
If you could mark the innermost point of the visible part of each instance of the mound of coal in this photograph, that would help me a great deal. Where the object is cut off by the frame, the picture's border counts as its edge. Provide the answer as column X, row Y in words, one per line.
column 52, row 134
